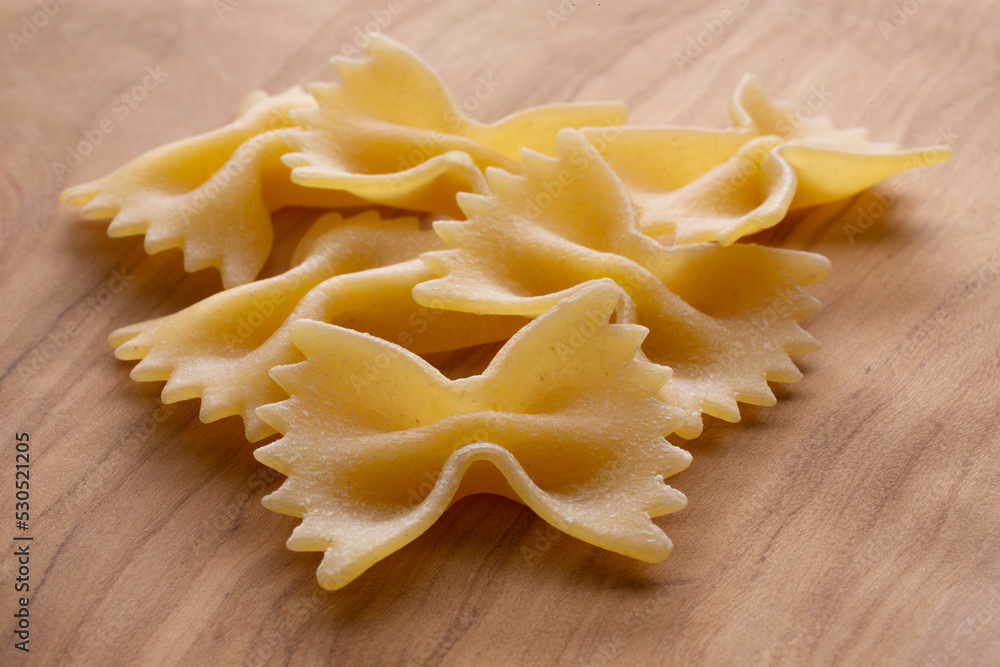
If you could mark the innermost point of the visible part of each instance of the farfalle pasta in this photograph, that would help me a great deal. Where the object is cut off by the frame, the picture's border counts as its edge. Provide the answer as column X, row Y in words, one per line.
column 570, row 427
column 699, row 185
column 720, row 185
column 390, row 131
column 212, row 195
column 526, row 246
column 357, row 273
column 829, row 164
column 542, row 243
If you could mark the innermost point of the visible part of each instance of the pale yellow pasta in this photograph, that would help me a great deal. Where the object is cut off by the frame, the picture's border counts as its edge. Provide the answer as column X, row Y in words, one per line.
column 720, row 185
column 389, row 131
column 211, row 195
column 700, row 185
column 543, row 243
column 357, row 273
column 564, row 419
column 724, row 319
column 830, row 164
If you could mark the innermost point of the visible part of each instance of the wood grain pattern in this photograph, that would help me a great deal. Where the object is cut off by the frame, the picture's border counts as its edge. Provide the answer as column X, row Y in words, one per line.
column 854, row 523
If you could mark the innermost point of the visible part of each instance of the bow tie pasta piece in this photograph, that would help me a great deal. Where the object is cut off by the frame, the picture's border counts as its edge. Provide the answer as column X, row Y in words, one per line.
column 211, row 195
column 358, row 273
column 183, row 165
column 724, row 319
column 830, row 164
column 700, row 185
column 564, row 419
column 390, row 132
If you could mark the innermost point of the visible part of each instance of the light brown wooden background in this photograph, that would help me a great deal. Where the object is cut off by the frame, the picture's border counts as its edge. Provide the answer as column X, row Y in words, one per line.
column 857, row 522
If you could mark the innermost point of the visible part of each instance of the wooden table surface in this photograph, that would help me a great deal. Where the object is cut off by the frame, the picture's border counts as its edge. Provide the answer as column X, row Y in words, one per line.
column 856, row 522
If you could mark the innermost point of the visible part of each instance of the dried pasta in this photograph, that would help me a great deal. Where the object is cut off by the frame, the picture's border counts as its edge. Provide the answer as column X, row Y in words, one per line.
column 720, row 185
column 830, row 164
column 357, row 273
column 577, row 437
column 724, row 319
column 389, row 131
column 210, row 195
column 543, row 243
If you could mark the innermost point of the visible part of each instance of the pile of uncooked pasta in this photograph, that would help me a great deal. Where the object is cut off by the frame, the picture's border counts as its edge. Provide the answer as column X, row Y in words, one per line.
column 605, row 258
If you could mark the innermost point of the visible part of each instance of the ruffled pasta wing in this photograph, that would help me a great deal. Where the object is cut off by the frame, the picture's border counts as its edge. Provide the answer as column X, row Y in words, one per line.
column 724, row 319
column 358, row 273
column 389, row 131
column 720, row 185
column 577, row 437
column 830, row 164
column 699, row 185
column 211, row 195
